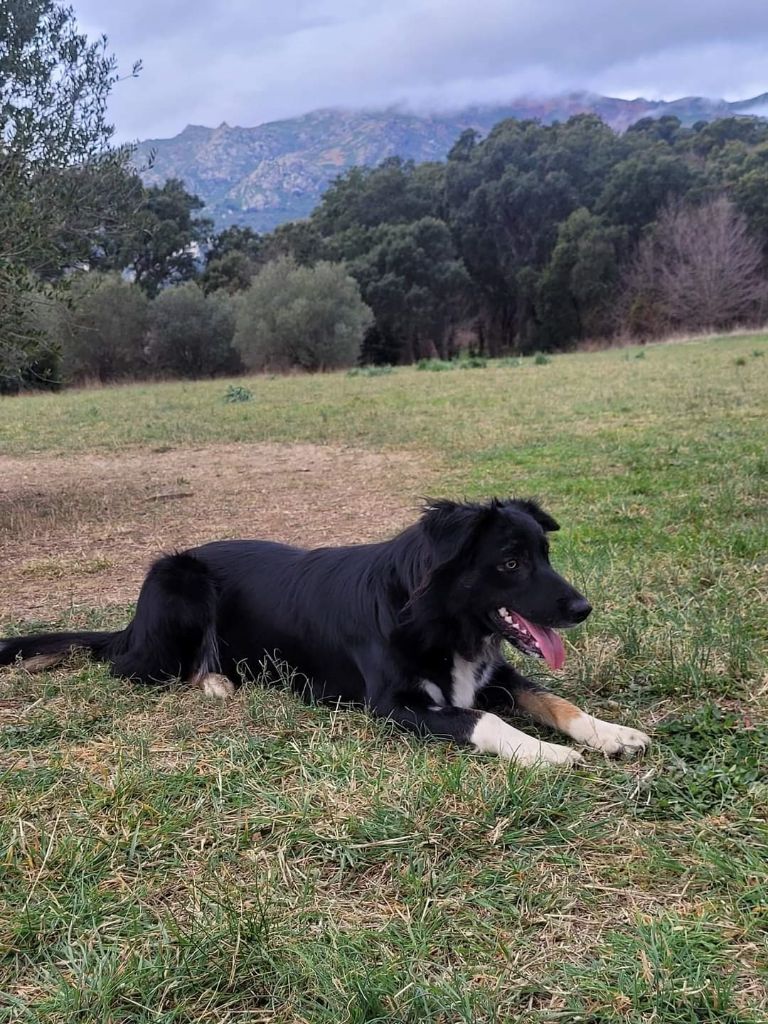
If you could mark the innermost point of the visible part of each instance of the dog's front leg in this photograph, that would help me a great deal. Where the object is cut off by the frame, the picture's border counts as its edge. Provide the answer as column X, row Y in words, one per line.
column 507, row 689
column 486, row 732
column 387, row 696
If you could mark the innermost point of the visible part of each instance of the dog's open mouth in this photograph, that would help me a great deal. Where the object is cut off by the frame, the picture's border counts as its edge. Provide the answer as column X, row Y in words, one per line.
column 539, row 641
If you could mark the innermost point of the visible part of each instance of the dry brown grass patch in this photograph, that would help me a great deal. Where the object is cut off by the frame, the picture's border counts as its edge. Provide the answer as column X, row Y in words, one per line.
column 81, row 529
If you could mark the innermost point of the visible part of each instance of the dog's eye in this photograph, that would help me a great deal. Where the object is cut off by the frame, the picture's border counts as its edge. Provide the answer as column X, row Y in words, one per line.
column 510, row 565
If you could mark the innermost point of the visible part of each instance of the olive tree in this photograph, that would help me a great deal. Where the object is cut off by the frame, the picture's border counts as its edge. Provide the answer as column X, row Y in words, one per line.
column 62, row 187
column 191, row 333
column 310, row 317
column 103, row 329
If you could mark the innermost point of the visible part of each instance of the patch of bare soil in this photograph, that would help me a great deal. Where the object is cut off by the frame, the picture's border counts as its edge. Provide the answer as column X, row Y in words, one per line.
column 81, row 530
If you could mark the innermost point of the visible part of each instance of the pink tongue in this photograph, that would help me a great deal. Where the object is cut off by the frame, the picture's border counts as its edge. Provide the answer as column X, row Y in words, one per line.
column 550, row 644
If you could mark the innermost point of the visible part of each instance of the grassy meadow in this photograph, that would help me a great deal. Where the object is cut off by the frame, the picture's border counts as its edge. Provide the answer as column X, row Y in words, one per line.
column 166, row 858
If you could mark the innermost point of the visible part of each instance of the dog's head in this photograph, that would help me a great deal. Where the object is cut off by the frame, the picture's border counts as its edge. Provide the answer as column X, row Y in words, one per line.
column 491, row 571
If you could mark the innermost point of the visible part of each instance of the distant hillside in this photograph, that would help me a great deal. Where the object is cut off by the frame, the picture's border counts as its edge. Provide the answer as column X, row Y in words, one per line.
column 276, row 172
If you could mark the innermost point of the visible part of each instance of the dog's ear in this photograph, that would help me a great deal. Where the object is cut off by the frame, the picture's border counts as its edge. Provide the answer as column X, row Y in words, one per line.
column 452, row 525
column 535, row 511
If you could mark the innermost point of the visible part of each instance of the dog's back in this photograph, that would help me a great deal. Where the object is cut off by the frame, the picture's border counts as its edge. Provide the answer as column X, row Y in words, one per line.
column 305, row 608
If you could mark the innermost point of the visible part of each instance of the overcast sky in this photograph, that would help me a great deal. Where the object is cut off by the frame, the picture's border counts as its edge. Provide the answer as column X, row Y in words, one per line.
column 249, row 61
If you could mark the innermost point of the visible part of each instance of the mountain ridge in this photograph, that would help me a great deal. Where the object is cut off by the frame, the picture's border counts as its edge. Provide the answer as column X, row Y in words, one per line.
column 264, row 175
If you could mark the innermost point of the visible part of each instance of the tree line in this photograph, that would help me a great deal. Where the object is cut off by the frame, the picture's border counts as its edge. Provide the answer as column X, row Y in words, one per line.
column 534, row 238
column 541, row 236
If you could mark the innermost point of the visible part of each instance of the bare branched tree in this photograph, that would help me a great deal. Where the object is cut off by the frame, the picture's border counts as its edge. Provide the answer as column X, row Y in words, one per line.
column 698, row 269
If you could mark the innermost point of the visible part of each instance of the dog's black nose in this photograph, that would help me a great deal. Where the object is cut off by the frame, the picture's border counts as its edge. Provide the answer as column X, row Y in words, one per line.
column 579, row 608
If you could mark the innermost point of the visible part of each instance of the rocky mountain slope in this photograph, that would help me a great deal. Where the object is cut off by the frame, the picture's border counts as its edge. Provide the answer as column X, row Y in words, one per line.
column 276, row 172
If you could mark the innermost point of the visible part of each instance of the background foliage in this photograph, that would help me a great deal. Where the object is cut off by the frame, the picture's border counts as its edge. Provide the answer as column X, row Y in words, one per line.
column 535, row 238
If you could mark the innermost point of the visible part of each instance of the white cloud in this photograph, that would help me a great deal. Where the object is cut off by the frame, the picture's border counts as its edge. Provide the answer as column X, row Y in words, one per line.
column 247, row 61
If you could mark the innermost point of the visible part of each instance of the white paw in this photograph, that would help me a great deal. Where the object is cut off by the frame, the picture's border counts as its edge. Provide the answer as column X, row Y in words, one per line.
column 214, row 685
column 492, row 735
column 613, row 740
column 542, row 754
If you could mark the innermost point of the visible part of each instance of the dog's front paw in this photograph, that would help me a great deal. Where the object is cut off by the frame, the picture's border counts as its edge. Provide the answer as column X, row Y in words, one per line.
column 540, row 755
column 494, row 736
column 614, row 740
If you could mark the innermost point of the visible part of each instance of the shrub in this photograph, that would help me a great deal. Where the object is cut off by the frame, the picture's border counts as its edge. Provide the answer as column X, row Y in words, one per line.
column 103, row 333
column 34, row 312
column 371, row 371
column 311, row 317
column 435, row 365
column 472, row 362
column 191, row 333
column 237, row 393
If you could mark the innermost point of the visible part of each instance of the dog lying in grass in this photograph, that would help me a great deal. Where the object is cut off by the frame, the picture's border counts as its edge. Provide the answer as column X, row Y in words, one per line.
column 412, row 628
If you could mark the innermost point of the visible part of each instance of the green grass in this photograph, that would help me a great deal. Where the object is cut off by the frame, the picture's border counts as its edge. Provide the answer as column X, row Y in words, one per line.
column 166, row 859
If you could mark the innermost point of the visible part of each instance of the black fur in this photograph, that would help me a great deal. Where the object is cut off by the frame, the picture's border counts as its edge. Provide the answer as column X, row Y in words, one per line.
column 365, row 624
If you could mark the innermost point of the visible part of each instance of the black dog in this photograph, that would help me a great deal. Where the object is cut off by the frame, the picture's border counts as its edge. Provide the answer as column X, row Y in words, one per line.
column 411, row 627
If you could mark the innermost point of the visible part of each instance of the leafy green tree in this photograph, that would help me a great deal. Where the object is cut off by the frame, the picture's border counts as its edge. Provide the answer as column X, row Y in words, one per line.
column 708, row 140
column 103, row 329
column 747, row 183
column 662, row 129
column 62, row 188
column 164, row 244
column 416, row 287
column 385, row 223
column 585, row 149
column 580, row 282
column 30, row 353
column 506, row 198
column 397, row 191
column 231, row 273
column 311, row 317
column 232, row 260
column 637, row 188
column 298, row 240
column 190, row 333
column 733, row 153
column 505, row 210
column 235, row 239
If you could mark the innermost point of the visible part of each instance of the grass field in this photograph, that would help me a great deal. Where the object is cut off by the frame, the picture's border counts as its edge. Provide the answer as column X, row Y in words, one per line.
column 165, row 858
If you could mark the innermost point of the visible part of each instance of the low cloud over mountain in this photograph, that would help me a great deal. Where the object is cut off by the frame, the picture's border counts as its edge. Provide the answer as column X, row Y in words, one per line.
column 277, row 171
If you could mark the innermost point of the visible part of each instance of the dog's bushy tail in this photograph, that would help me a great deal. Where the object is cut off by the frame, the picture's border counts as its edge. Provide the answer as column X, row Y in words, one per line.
column 172, row 634
column 46, row 650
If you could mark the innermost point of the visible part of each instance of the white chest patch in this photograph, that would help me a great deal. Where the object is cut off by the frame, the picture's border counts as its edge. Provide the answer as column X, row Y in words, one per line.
column 468, row 677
